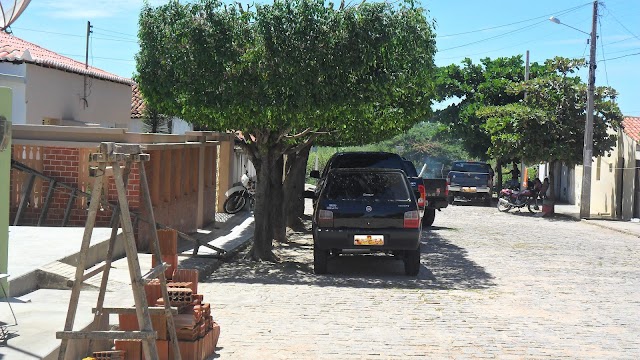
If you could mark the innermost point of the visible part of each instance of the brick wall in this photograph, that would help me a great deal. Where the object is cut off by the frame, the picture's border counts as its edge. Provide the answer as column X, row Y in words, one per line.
column 173, row 174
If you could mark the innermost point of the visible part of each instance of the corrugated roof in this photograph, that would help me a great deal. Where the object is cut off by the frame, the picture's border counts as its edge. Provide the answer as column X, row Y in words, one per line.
column 631, row 126
column 14, row 49
column 137, row 103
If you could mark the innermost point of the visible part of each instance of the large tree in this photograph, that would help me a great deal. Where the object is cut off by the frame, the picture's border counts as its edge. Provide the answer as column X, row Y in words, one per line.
column 471, row 86
column 283, row 73
column 548, row 126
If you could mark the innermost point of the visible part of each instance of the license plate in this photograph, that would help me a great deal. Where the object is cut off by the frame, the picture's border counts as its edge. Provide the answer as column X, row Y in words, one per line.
column 469, row 189
column 368, row 239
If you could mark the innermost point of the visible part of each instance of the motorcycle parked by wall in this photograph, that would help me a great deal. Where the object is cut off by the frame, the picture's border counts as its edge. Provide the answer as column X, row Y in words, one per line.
column 240, row 194
column 513, row 199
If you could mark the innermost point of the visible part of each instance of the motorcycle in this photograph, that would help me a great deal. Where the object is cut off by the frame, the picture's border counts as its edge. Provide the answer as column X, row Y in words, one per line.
column 512, row 199
column 240, row 194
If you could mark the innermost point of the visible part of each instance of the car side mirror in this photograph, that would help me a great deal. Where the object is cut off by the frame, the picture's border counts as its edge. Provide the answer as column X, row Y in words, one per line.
column 315, row 174
column 309, row 194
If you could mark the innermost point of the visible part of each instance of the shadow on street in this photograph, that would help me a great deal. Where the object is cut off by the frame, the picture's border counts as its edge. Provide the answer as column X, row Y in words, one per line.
column 445, row 266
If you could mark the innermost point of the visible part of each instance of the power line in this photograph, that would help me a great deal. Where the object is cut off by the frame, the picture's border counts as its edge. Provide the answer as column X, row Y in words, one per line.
column 620, row 57
column 621, row 24
column 116, row 32
column 563, row 12
column 75, row 35
column 606, row 73
column 514, row 23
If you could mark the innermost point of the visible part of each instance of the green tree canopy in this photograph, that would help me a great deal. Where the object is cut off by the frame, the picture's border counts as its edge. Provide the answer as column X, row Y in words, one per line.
column 285, row 71
column 549, row 124
column 470, row 87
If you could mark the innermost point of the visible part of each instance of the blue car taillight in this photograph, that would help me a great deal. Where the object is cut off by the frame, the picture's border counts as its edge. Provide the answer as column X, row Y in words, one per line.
column 325, row 218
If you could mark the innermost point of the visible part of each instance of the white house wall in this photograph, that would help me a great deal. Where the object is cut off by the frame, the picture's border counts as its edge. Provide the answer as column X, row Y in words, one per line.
column 57, row 94
column 13, row 76
column 629, row 155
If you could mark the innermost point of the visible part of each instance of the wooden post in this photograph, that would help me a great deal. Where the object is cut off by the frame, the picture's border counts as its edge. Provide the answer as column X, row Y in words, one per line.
column 225, row 171
column 26, row 194
column 45, row 208
column 67, row 211
column 156, row 249
column 84, row 250
column 201, row 178
column 137, row 285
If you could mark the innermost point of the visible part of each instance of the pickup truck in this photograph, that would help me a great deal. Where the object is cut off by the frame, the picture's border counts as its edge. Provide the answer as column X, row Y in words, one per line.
column 435, row 193
column 470, row 180
column 430, row 195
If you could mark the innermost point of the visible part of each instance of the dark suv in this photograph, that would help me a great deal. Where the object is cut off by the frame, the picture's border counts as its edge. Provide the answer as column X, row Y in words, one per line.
column 365, row 211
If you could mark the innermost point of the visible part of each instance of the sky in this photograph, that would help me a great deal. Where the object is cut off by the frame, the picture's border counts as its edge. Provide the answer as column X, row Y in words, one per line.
column 464, row 28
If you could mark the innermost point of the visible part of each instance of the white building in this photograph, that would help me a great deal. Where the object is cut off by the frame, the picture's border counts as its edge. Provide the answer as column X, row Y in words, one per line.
column 52, row 89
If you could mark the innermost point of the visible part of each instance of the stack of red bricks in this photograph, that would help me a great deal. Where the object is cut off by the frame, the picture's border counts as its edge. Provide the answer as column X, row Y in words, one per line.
column 196, row 331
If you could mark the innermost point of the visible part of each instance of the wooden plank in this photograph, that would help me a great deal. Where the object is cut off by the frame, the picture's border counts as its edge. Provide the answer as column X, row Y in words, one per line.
column 146, row 196
column 177, row 174
column 167, row 176
column 67, row 211
column 45, row 207
column 107, row 335
column 128, row 148
column 82, row 259
column 115, row 221
column 26, row 194
column 154, row 310
column 156, row 165
column 142, row 309
column 155, row 272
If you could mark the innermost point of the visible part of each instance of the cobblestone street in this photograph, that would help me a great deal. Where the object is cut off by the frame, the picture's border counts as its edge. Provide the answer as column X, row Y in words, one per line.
column 492, row 285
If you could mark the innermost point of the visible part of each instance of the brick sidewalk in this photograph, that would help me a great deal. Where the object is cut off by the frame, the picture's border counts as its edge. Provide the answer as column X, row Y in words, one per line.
column 562, row 289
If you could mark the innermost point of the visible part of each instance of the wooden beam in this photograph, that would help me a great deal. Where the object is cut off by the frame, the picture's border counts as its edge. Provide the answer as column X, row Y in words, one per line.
column 26, row 194
column 45, row 208
column 155, row 310
column 67, row 211
column 106, row 335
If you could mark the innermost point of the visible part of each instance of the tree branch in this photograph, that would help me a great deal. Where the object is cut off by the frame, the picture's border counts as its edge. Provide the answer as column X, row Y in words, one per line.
column 302, row 145
column 307, row 132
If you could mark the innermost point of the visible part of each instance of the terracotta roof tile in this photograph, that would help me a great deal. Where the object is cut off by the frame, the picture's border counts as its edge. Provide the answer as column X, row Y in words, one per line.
column 631, row 126
column 14, row 49
column 137, row 103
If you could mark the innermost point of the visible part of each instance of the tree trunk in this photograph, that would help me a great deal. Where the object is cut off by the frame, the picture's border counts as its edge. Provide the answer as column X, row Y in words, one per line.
column 266, row 164
column 552, row 181
column 296, row 168
column 499, row 172
column 277, row 201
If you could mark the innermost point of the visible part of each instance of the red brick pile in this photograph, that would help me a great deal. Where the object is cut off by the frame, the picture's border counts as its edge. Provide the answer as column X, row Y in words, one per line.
column 196, row 331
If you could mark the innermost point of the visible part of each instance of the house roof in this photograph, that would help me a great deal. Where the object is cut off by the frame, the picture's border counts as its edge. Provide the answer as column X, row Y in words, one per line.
column 631, row 126
column 16, row 50
column 137, row 103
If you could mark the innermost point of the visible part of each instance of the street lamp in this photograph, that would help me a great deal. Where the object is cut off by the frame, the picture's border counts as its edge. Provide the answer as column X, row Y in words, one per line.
column 587, row 152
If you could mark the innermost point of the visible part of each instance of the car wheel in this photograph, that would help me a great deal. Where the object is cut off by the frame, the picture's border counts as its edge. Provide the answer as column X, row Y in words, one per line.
column 320, row 260
column 487, row 200
column 412, row 262
column 429, row 216
column 450, row 199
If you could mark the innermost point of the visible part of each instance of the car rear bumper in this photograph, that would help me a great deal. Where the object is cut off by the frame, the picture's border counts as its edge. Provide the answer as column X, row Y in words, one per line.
column 470, row 190
column 394, row 239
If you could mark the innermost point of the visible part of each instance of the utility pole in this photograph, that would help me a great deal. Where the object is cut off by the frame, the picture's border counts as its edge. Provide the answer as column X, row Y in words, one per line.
column 526, row 78
column 585, row 196
column 86, row 64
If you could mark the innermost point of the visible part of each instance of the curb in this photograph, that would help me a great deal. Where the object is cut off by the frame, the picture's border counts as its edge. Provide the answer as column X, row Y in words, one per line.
column 622, row 231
